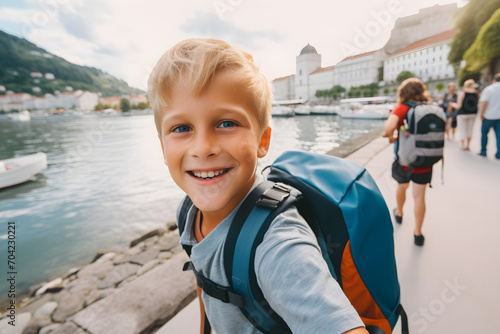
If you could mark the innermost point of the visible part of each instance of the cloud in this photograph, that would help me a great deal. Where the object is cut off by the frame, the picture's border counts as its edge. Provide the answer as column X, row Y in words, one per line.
column 210, row 25
column 77, row 26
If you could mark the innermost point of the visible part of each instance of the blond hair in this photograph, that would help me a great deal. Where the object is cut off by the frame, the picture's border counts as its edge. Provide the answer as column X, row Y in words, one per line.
column 201, row 59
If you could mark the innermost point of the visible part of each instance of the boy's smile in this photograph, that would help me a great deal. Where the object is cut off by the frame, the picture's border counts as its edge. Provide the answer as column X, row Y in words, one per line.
column 211, row 143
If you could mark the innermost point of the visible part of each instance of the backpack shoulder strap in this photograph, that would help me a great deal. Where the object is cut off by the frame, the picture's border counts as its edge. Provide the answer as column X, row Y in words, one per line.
column 247, row 231
column 186, row 204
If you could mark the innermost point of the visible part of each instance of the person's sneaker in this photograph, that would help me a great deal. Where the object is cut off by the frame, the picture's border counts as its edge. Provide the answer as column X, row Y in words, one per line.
column 419, row 240
column 482, row 154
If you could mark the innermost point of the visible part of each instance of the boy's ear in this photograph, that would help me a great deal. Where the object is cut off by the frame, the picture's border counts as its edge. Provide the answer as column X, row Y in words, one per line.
column 162, row 150
column 265, row 141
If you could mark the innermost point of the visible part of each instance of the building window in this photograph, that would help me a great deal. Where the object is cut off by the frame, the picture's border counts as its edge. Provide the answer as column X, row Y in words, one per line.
column 300, row 72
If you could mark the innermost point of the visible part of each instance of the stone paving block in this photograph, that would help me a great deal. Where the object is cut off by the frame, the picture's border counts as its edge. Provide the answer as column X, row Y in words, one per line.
column 145, row 257
column 22, row 320
column 118, row 274
column 45, row 310
column 70, row 328
column 144, row 304
column 168, row 240
column 148, row 266
column 69, row 305
column 49, row 329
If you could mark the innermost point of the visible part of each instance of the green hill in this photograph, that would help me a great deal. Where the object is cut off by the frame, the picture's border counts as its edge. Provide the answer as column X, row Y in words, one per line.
column 19, row 58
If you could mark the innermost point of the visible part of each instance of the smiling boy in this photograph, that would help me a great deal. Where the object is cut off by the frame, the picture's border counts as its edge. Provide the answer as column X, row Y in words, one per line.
column 212, row 109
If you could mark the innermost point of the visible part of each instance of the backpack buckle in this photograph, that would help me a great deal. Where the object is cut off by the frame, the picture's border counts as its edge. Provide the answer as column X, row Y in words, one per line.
column 275, row 196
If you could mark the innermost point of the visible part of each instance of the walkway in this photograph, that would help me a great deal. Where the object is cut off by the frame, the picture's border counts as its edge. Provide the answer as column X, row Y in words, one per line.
column 451, row 284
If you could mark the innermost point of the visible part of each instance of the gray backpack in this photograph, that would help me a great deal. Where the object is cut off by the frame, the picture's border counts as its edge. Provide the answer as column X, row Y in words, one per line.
column 421, row 137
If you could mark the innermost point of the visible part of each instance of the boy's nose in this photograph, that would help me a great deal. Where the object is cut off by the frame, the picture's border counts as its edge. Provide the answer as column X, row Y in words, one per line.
column 204, row 145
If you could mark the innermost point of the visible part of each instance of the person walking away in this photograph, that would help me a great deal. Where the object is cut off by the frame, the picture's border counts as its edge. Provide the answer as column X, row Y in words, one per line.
column 466, row 105
column 410, row 90
column 451, row 117
column 489, row 112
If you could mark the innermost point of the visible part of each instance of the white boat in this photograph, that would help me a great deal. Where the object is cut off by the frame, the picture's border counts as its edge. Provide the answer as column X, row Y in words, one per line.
column 282, row 111
column 21, row 116
column 365, row 112
column 302, row 110
column 18, row 170
column 325, row 110
column 366, row 108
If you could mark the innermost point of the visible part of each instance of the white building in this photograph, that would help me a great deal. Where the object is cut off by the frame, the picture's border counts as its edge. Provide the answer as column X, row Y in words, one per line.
column 284, row 88
column 310, row 76
column 426, row 58
column 321, row 79
column 359, row 70
column 306, row 63
column 11, row 102
column 79, row 100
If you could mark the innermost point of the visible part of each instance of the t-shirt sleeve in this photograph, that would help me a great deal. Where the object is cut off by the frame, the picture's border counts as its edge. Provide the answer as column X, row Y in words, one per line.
column 296, row 282
column 485, row 95
column 401, row 110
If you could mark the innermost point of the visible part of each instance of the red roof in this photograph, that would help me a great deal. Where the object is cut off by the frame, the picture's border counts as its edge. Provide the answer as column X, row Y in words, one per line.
column 360, row 55
column 323, row 69
column 428, row 41
column 283, row 78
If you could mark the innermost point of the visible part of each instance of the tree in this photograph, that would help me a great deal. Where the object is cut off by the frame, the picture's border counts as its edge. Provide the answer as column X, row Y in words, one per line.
column 404, row 75
column 440, row 87
column 486, row 47
column 469, row 21
column 386, row 91
column 124, row 104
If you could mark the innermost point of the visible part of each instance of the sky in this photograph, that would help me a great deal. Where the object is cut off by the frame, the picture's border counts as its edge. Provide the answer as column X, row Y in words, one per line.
column 126, row 38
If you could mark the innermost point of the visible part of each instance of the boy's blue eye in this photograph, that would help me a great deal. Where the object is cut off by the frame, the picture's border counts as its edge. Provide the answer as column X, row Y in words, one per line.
column 227, row 124
column 181, row 128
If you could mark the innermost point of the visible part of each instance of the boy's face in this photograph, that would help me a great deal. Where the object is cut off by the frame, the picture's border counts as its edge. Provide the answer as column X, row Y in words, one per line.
column 211, row 143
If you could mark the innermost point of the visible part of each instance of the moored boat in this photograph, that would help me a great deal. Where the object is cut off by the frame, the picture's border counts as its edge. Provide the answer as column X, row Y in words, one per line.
column 325, row 110
column 282, row 111
column 21, row 116
column 21, row 169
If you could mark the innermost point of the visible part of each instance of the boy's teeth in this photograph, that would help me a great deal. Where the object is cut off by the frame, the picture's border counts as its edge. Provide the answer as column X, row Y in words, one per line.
column 210, row 174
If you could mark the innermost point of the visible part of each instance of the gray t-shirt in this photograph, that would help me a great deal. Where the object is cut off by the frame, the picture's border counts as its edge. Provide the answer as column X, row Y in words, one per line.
column 290, row 270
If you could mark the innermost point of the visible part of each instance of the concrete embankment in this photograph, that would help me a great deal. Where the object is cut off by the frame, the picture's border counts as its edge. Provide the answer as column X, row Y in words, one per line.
column 132, row 291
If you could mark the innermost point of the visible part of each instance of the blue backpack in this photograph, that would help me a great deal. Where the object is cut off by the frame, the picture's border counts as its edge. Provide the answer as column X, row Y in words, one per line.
column 345, row 209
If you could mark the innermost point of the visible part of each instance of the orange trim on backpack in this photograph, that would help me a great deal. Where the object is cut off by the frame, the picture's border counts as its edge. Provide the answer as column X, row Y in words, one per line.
column 359, row 296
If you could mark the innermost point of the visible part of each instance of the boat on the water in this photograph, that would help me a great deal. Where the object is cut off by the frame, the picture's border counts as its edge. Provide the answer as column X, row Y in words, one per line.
column 302, row 110
column 282, row 111
column 21, row 116
column 325, row 110
column 366, row 108
column 21, row 169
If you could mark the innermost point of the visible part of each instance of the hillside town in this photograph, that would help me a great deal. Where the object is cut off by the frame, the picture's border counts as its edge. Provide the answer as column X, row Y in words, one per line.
column 78, row 100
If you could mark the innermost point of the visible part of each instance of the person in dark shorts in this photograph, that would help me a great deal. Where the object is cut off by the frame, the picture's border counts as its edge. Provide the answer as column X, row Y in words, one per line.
column 410, row 90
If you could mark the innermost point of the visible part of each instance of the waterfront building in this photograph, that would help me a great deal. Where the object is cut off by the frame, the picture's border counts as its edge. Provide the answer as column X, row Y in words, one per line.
column 359, row 70
column 10, row 102
column 426, row 58
column 284, row 88
column 418, row 43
